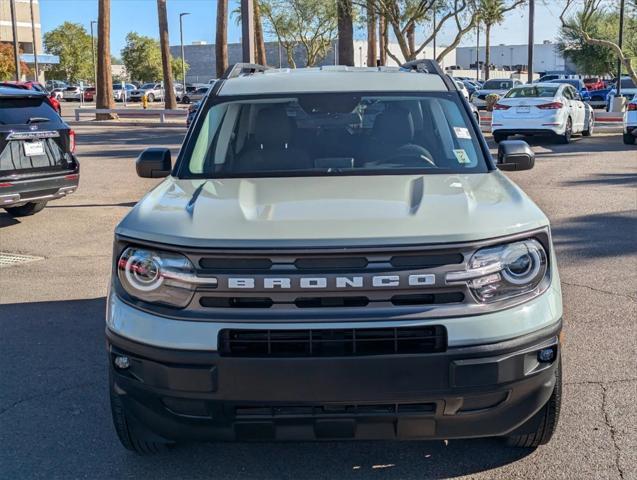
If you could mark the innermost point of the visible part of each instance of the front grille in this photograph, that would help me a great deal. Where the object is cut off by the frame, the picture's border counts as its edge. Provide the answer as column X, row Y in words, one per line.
column 332, row 342
column 254, row 412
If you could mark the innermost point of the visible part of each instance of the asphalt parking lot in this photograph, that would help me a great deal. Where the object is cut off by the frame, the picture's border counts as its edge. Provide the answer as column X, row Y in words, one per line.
column 54, row 414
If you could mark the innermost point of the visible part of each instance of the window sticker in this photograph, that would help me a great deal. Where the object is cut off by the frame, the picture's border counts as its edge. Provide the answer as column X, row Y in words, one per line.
column 461, row 155
column 462, row 132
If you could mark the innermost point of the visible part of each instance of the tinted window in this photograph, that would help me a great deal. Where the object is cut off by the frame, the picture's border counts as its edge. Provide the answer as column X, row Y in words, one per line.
column 148, row 86
column 334, row 134
column 18, row 111
column 532, row 92
column 497, row 84
column 627, row 83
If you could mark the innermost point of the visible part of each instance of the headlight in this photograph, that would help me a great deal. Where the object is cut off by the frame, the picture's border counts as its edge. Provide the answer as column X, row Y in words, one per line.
column 505, row 271
column 158, row 277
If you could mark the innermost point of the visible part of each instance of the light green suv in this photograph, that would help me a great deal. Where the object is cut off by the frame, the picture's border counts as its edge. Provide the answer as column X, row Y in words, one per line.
column 334, row 255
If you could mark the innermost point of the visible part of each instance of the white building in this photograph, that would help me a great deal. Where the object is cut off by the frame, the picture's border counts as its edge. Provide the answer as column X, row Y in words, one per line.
column 360, row 54
column 546, row 57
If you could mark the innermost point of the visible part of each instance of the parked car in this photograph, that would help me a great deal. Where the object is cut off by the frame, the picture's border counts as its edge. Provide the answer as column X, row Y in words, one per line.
column 549, row 77
column 628, row 90
column 38, row 87
column 630, row 122
column 498, row 86
column 579, row 86
column 594, row 83
column 57, row 93
column 72, row 93
column 89, row 94
column 197, row 95
column 55, row 84
column 119, row 93
column 335, row 255
column 37, row 161
column 193, row 108
column 155, row 92
column 462, row 88
column 599, row 98
column 542, row 109
column 471, row 86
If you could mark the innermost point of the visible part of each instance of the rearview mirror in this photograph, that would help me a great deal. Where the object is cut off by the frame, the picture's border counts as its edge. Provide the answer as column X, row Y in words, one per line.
column 153, row 163
column 515, row 155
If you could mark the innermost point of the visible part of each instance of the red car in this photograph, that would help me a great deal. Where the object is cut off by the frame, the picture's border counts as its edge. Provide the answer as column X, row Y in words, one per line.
column 89, row 94
column 29, row 85
column 594, row 83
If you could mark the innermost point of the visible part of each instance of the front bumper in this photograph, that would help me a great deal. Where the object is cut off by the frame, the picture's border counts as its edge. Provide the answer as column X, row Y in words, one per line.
column 22, row 190
column 478, row 391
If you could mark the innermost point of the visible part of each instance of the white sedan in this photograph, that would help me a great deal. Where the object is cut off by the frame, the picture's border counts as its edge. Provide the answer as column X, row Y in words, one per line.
column 630, row 122
column 542, row 109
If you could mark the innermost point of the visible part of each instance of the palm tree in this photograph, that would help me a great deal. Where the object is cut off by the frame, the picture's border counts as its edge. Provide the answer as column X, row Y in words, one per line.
column 345, row 33
column 259, row 42
column 372, row 54
column 170, row 101
column 104, row 80
column 490, row 13
column 221, row 41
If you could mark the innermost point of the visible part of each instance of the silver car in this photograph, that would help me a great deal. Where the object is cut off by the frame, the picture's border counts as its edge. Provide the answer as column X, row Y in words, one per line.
column 499, row 86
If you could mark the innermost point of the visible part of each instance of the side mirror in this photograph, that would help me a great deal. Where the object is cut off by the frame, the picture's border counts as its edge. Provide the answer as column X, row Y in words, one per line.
column 515, row 155
column 153, row 163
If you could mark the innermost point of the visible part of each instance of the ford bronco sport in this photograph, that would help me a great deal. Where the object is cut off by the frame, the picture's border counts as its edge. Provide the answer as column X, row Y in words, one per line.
column 334, row 255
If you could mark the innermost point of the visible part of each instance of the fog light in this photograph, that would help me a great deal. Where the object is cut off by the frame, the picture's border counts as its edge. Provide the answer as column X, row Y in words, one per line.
column 122, row 362
column 546, row 355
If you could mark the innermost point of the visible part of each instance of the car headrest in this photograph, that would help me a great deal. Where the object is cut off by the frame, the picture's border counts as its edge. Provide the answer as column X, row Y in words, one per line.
column 272, row 127
column 394, row 126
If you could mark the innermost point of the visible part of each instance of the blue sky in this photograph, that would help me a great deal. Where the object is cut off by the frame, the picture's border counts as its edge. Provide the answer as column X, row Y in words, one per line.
column 141, row 16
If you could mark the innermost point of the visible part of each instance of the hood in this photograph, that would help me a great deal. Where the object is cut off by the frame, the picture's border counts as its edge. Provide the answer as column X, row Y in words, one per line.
column 361, row 210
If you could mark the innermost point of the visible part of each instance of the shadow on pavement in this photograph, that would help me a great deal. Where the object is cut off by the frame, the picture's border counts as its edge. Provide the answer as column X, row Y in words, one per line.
column 7, row 220
column 91, row 205
column 56, row 418
column 597, row 235
column 610, row 179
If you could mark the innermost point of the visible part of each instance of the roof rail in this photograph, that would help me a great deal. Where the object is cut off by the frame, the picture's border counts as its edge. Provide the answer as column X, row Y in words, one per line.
column 243, row 69
column 427, row 65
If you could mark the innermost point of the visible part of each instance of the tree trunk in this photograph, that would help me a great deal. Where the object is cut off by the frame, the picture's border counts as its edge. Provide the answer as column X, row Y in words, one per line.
column 345, row 33
column 382, row 39
column 411, row 40
column 221, row 41
column 487, row 52
column 170, row 102
column 258, row 36
column 104, row 85
column 372, row 54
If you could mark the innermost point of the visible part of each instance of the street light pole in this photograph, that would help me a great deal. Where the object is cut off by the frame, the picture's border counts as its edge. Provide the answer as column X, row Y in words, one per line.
column 16, row 55
column 247, row 30
column 181, row 39
column 35, row 47
column 434, row 32
column 478, row 51
column 530, row 46
column 94, row 61
column 620, row 44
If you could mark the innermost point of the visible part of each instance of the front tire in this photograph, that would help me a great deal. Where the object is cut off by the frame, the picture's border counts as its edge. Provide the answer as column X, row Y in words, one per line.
column 185, row 100
column 589, row 128
column 25, row 210
column 539, row 429
column 151, row 97
column 499, row 137
column 629, row 139
column 128, row 435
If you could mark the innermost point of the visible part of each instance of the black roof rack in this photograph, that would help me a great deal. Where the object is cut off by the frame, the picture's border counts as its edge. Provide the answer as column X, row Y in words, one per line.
column 427, row 65
column 243, row 69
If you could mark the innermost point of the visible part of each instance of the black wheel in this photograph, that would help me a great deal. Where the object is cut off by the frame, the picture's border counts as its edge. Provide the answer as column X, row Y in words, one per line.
column 25, row 210
column 185, row 100
column 128, row 435
column 629, row 139
column 151, row 97
column 589, row 128
column 568, row 132
column 539, row 429
column 499, row 137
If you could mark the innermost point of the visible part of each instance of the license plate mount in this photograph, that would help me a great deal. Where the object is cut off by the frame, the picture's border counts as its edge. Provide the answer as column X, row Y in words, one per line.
column 33, row 149
column 523, row 109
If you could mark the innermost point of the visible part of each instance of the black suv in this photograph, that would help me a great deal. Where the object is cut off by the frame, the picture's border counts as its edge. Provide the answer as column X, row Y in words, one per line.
column 37, row 163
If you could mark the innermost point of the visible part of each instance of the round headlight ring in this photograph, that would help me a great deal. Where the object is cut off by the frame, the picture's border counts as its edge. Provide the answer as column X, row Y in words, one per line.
column 143, row 271
column 528, row 253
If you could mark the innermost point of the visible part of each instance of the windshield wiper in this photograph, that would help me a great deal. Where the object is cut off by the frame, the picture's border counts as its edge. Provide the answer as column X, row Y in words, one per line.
column 37, row 120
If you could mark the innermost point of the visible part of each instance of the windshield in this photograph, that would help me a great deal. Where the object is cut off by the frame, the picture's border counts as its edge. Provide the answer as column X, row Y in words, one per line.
column 497, row 85
column 148, row 86
column 627, row 83
column 532, row 92
column 335, row 133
